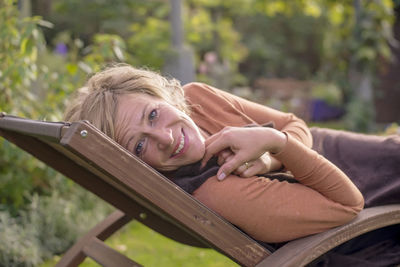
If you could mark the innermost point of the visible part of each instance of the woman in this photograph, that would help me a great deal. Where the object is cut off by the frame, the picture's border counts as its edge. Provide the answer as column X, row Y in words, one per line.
column 177, row 130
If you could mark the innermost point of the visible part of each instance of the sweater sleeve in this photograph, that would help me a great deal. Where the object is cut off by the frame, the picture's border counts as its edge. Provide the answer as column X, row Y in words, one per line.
column 218, row 101
column 274, row 211
column 285, row 122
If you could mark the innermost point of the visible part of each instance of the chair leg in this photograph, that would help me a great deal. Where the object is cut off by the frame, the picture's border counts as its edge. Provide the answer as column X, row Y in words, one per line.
column 76, row 254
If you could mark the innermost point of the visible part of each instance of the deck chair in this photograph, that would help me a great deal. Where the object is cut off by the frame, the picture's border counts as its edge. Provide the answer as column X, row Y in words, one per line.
column 138, row 192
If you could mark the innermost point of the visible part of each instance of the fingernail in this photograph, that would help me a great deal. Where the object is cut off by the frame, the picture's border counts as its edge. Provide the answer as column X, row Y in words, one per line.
column 221, row 176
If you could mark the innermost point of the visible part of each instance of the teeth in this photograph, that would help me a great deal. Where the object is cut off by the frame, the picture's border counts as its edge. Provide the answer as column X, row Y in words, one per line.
column 181, row 145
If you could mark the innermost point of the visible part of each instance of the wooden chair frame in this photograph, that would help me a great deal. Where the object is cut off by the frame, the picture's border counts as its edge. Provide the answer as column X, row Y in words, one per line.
column 91, row 159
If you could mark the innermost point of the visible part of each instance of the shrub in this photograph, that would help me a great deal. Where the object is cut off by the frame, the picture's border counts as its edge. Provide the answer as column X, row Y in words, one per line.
column 49, row 226
column 41, row 212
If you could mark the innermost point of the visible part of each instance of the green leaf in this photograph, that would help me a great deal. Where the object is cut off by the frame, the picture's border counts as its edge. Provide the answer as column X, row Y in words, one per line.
column 72, row 68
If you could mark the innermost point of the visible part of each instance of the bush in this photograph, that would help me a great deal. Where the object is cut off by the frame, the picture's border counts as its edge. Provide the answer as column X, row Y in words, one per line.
column 49, row 226
column 17, row 248
column 41, row 212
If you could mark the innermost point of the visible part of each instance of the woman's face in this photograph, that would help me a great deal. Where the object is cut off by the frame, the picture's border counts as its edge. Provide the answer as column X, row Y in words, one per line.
column 157, row 132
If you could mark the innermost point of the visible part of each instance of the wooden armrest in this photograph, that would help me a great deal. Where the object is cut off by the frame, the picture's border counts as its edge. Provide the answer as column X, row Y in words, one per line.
column 304, row 250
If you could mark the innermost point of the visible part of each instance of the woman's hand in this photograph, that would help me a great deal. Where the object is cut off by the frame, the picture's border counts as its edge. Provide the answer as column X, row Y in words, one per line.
column 259, row 166
column 246, row 144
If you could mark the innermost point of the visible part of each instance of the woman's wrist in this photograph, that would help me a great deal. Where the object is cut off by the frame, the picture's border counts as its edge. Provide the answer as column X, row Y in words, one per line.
column 276, row 141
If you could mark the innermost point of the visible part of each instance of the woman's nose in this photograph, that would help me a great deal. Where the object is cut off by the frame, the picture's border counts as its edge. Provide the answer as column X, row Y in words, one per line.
column 163, row 137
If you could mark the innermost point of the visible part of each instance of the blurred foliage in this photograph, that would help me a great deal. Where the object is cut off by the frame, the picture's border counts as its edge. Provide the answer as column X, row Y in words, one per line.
column 144, row 26
column 18, row 72
column 359, row 114
column 36, row 219
column 149, row 43
column 303, row 39
column 34, row 83
column 328, row 92
column 327, row 41
column 369, row 48
column 21, row 42
column 391, row 129
column 281, row 44
column 141, row 23
column 83, row 19
column 48, row 226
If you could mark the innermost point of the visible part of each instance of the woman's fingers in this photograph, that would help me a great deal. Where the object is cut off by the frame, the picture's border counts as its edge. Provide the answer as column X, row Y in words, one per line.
column 246, row 144
column 259, row 166
column 249, row 169
column 229, row 167
column 244, row 168
column 214, row 144
column 223, row 156
column 232, row 138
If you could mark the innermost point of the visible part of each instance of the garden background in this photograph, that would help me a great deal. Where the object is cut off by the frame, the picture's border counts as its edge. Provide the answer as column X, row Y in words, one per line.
column 333, row 63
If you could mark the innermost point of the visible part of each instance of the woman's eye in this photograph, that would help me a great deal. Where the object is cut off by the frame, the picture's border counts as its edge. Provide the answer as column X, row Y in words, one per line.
column 139, row 148
column 153, row 114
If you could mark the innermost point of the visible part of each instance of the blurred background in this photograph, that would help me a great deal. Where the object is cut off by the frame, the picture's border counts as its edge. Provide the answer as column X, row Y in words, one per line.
column 332, row 63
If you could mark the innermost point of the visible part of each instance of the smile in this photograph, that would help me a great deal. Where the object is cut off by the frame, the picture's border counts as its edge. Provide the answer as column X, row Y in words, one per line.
column 180, row 146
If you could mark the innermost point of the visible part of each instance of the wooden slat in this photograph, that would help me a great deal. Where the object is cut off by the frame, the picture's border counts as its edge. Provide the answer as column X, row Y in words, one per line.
column 75, row 255
column 106, row 256
column 134, row 178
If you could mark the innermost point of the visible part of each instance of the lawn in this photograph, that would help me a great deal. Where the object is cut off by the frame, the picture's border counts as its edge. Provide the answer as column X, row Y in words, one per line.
column 152, row 249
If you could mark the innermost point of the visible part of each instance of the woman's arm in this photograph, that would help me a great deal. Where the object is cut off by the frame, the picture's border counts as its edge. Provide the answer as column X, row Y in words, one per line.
column 213, row 109
column 274, row 211
column 260, row 114
column 306, row 165
column 271, row 210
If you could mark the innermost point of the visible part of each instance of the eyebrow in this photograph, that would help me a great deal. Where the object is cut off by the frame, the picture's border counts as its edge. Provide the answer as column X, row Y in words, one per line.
column 142, row 118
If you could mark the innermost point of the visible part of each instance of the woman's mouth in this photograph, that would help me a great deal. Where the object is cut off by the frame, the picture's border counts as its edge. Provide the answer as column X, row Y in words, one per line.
column 180, row 146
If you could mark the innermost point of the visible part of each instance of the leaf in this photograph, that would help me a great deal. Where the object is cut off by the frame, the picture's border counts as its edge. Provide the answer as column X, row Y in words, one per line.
column 72, row 68
column 118, row 53
column 366, row 53
column 45, row 23
column 24, row 45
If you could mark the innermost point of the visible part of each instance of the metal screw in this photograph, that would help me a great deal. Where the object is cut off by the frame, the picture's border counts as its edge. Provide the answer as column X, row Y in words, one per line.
column 143, row 215
column 84, row 133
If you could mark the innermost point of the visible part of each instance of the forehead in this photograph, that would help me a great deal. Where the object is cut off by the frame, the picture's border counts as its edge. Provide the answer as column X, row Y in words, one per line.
column 130, row 109
column 134, row 100
column 129, row 105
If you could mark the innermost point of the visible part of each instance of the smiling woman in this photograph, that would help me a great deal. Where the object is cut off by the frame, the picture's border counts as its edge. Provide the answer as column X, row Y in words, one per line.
column 97, row 101
column 201, row 138
column 157, row 132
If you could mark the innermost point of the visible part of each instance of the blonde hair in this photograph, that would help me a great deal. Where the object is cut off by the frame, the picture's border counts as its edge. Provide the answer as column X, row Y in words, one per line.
column 97, row 101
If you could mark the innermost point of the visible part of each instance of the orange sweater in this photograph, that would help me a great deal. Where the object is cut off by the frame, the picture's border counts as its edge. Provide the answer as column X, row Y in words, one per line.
column 270, row 210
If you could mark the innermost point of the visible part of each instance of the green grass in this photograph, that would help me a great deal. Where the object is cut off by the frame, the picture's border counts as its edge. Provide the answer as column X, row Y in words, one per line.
column 152, row 249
